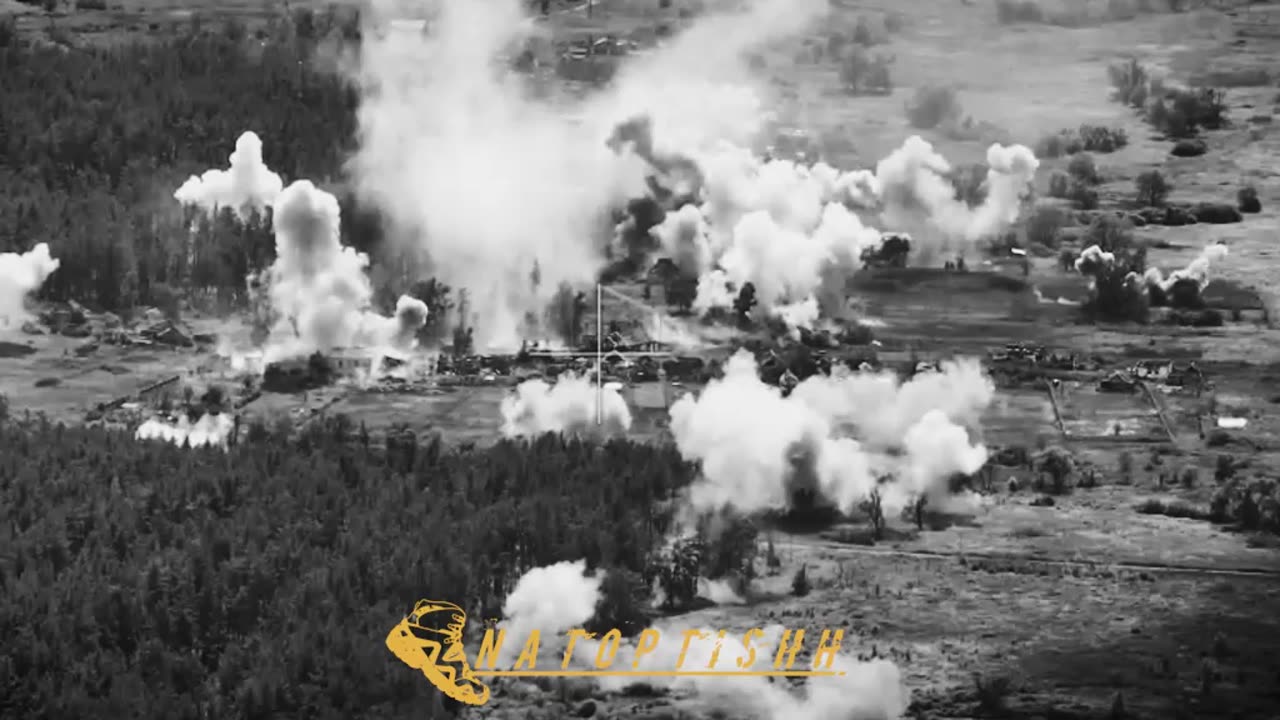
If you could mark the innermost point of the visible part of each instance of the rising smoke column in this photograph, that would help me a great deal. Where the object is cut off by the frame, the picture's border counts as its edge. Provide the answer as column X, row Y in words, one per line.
column 791, row 229
column 21, row 274
column 485, row 179
column 482, row 179
column 777, row 225
column 248, row 184
column 319, row 288
column 568, row 406
column 838, row 436
column 916, row 196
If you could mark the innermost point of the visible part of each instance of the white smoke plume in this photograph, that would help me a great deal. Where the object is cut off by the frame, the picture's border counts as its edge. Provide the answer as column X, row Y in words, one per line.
column 551, row 600
column 561, row 597
column 803, row 314
column 1096, row 263
column 21, row 274
column 1196, row 271
column 843, row 436
column 775, row 225
column 485, row 179
column 791, row 230
column 319, row 288
column 209, row 430
column 881, row 410
column 1094, row 258
column 685, row 238
column 872, row 690
column 568, row 406
column 720, row 592
column 400, row 331
column 248, row 184
column 916, row 195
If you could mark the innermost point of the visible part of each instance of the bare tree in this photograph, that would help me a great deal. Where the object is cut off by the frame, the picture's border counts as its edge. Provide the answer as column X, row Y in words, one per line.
column 918, row 508
column 874, row 508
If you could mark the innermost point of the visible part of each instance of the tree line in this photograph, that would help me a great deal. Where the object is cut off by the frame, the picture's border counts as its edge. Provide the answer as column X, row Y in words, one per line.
column 95, row 139
column 151, row 580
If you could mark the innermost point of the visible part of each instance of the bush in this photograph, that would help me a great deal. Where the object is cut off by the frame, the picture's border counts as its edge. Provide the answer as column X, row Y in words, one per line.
column 1253, row 504
column 993, row 694
column 1055, row 145
column 1219, row 438
column 1087, row 138
column 1082, row 195
column 1216, row 213
column 1009, row 12
column 1118, row 292
column 1174, row 509
column 1129, row 82
column 1177, row 113
column 1056, row 465
column 1224, row 468
column 1044, row 224
column 1059, row 184
column 1114, row 234
column 1096, row 138
column 1183, row 113
column 1247, row 200
column 931, row 106
column 1197, row 318
column 862, row 73
column 1189, row 148
column 800, row 585
column 1083, row 168
column 1152, row 188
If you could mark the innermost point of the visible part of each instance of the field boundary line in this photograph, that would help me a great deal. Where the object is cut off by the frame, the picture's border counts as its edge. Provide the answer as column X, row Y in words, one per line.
column 1058, row 562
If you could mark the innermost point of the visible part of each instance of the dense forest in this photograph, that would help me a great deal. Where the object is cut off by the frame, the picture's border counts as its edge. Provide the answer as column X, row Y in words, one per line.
column 95, row 139
column 147, row 580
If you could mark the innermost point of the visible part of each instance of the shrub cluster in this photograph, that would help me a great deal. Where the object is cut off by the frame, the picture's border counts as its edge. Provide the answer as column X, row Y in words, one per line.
column 933, row 105
column 864, row 74
column 1119, row 291
column 1086, row 138
column 1152, row 188
column 1175, row 112
column 1253, row 504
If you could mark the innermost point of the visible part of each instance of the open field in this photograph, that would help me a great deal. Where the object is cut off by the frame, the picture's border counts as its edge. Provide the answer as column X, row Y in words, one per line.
column 1075, row 602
